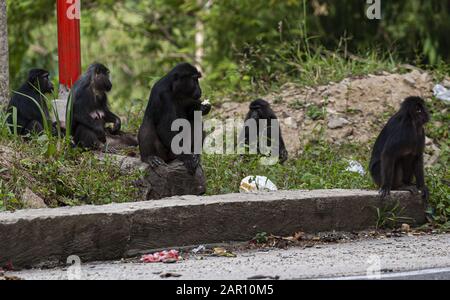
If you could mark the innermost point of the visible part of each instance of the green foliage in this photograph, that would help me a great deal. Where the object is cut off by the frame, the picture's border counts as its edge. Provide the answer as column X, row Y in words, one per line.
column 250, row 46
column 390, row 216
column 261, row 238
column 315, row 112
column 8, row 200
column 59, row 173
column 80, row 178
column 320, row 166
column 25, row 19
column 438, row 176
column 69, row 178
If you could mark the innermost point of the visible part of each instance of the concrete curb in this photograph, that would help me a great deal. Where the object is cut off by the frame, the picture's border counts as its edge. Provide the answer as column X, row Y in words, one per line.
column 48, row 236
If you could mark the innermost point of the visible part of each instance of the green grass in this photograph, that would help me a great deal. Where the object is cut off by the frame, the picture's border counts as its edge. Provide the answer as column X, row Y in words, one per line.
column 320, row 166
column 57, row 172
column 292, row 64
column 70, row 177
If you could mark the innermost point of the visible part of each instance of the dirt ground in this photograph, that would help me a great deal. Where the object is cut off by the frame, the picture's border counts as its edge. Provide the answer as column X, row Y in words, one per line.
column 353, row 110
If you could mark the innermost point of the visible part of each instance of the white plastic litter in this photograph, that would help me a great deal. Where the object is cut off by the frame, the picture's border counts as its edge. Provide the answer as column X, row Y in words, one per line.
column 199, row 249
column 355, row 167
column 254, row 184
column 442, row 93
column 60, row 108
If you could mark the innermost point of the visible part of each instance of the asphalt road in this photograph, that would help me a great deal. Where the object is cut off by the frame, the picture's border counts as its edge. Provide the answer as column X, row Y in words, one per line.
column 427, row 274
column 412, row 257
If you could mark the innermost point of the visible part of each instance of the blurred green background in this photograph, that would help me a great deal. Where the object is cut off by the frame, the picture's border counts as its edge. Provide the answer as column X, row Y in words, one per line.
column 249, row 44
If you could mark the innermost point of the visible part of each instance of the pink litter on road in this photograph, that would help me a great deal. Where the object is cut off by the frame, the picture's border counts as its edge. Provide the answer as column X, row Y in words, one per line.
column 161, row 256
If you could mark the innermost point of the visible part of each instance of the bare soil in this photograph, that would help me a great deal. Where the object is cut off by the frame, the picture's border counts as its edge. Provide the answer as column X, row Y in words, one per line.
column 359, row 107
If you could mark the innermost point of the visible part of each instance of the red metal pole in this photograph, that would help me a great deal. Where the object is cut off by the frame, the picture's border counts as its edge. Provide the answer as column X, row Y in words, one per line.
column 69, row 42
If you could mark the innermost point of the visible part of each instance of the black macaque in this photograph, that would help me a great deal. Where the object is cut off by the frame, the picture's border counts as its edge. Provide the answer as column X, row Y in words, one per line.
column 176, row 96
column 397, row 156
column 29, row 116
column 90, row 112
column 261, row 110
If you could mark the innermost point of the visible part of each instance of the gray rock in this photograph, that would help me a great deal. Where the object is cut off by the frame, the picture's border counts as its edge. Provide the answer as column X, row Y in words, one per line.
column 410, row 80
column 164, row 181
column 337, row 122
column 32, row 201
column 125, row 163
column 173, row 180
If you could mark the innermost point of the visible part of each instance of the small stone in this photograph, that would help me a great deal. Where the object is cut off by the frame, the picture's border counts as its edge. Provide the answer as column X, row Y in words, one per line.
column 337, row 122
column 409, row 80
column 446, row 83
column 131, row 163
column 348, row 133
column 32, row 201
column 425, row 77
column 331, row 111
column 291, row 123
column 322, row 89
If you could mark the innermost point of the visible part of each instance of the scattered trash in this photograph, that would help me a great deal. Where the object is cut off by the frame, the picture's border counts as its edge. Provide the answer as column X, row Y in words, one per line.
column 296, row 237
column 168, row 275
column 199, row 249
column 171, row 256
column 9, row 278
column 272, row 241
column 442, row 93
column 406, row 228
column 355, row 167
column 254, row 184
column 222, row 252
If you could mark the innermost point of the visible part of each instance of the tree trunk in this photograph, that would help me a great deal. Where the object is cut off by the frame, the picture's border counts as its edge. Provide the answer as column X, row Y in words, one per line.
column 4, row 57
column 200, row 34
column 199, row 39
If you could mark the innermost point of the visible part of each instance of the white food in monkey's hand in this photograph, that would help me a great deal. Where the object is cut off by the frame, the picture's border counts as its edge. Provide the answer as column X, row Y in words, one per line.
column 206, row 102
